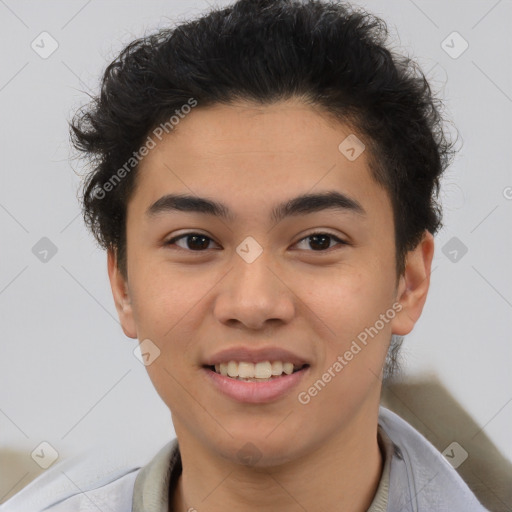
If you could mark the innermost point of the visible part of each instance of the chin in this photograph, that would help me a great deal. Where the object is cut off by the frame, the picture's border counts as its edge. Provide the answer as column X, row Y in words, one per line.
column 258, row 450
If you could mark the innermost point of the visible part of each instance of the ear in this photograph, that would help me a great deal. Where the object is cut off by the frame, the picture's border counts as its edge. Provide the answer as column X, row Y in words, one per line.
column 413, row 286
column 121, row 295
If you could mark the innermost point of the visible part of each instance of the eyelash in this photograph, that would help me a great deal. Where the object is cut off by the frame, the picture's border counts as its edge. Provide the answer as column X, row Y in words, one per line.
column 186, row 235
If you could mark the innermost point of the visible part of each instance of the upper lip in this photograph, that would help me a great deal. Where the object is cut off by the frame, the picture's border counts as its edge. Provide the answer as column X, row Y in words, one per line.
column 252, row 355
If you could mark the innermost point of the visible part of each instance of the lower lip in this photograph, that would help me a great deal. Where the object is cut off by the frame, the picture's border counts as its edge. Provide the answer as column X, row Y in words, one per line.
column 255, row 392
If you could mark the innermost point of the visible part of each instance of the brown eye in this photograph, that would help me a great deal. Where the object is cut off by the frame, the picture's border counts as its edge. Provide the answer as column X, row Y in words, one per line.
column 320, row 242
column 195, row 241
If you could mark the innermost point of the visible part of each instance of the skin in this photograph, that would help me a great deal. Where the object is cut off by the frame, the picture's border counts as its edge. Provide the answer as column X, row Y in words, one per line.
column 192, row 303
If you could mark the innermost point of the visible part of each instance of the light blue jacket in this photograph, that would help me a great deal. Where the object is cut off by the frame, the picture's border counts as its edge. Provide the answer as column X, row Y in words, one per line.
column 416, row 478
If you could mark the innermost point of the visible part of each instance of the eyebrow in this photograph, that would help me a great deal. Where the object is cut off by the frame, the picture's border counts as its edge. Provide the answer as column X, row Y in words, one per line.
column 303, row 204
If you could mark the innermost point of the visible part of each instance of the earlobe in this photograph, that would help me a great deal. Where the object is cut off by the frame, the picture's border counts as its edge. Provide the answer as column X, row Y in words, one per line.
column 414, row 286
column 121, row 295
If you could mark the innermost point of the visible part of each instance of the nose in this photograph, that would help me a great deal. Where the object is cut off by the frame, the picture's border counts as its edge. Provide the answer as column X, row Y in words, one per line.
column 255, row 295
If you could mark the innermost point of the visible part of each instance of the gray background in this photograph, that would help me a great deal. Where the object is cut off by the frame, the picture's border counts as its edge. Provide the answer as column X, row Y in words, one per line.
column 68, row 373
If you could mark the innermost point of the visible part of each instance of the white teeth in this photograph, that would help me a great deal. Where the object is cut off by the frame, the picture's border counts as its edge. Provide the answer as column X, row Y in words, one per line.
column 233, row 369
column 262, row 370
column 246, row 370
column 277, row 368
column 288, row 368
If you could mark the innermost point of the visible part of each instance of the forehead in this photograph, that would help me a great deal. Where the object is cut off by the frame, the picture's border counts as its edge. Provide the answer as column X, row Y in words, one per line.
column 258, row 155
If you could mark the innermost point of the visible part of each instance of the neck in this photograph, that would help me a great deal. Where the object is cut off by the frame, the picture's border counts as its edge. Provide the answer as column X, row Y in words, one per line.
column 343, row 473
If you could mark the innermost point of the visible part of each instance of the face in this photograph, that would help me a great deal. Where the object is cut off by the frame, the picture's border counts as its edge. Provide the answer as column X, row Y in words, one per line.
column 311, row 281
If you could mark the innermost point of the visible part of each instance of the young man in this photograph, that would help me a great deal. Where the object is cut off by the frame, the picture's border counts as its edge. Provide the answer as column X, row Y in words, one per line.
column 265, row 184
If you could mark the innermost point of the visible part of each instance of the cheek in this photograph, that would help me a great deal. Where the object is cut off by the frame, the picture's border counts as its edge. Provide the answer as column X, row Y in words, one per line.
column 161, row 298
column 166, row 307
column 349, row 370
column 356, row 307
column 170, row 307
column 345, row 300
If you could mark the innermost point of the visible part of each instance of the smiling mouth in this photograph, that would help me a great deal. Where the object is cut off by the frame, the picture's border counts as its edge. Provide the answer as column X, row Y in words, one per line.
column 261, row 372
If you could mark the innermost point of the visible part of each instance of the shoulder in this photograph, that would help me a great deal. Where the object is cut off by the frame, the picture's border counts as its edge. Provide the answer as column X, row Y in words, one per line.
column 421, row 479
column 98, row 480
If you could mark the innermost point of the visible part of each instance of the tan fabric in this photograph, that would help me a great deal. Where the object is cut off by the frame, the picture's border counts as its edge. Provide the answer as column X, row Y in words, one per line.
column 380, row 501
column 156, row 481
